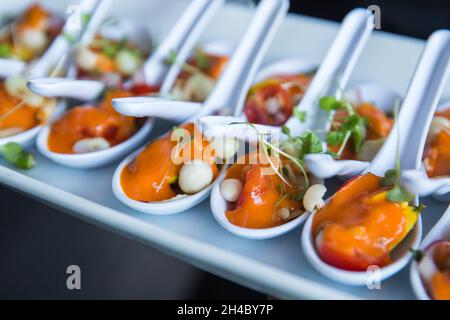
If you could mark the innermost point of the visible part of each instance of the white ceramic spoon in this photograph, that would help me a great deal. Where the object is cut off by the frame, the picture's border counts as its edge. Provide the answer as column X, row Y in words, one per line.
column 203, row 11
column 229, row 90
column 340, row 59
column 441, row 231
column 49, row 59
column 417, row 181
column 323, row 165
column 181, row 39
column 414, row 120
column 9, row 67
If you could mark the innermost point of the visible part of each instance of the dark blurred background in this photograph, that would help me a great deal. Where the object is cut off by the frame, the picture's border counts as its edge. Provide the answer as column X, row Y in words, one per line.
column 416, row 18
column 37, row 242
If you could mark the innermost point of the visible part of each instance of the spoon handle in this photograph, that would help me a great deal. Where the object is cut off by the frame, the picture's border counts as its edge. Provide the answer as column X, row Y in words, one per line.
column 418, row 108
column 156, row 107
column 10, row 67
column 84, row 90
column 181, row 39
column 234, row 83
column 335, row 70
column 70, row 34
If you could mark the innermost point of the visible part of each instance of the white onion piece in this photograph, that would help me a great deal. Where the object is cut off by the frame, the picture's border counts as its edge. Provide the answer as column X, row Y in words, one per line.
column 231, row 189
column 90, row 145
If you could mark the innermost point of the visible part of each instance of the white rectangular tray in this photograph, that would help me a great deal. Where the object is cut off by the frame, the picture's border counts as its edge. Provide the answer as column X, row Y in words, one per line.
column 276, row 267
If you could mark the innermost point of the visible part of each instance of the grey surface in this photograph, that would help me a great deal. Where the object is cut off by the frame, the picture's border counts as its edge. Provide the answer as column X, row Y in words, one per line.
column 38, row 243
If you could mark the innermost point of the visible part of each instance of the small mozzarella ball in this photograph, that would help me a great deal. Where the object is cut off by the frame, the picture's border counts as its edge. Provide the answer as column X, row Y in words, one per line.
column 224, row 147
column 127, row 62
column 313, row 198
column 437, row 125
column 90, row 145
column 35, row 40
column 231, row 189
column 195, row 176
column 284, row 213
column 16, row 86
column 86, row 59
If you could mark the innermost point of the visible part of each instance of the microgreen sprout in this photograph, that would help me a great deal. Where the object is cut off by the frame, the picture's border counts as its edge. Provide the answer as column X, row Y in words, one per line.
column 352, row 129
column 14, row 154
column 392, row 177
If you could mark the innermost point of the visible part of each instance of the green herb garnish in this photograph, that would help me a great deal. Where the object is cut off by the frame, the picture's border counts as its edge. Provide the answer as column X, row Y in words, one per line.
column 417, row 254
column 300, row 115
column 14, row 154
column 5, row 50
column 202, row 60
column 352, row 129
column 392, row 177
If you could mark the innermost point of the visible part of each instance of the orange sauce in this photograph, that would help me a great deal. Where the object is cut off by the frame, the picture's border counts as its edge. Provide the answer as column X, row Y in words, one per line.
column 153, row 174
column 261, row 198
column 437, row 153
column 89, row 122
column 13, row 114
column 33, row 18
column 285, row 90
column 359, row 226
column 379, row 126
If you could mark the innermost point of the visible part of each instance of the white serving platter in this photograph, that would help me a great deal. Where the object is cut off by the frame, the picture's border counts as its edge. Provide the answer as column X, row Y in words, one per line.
column 276, row 267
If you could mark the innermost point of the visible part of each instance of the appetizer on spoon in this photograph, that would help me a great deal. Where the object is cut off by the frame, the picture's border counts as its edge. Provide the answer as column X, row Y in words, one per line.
column 260, row 206
column 430, row 272
column 92, row 136
column 371, row 222
column 357, row 128
column 22, row 113
column 182, row 165
column 435, row 179
column 118, row 60
column 26, row 37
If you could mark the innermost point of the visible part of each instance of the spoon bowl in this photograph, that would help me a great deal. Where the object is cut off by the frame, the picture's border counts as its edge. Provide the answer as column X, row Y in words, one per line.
column 219, row 208
column 441, row 231
column 26, row 139
column 97, row 158
column 162, row 208
column 323, row 165
column 417, row 181
column 401, row 255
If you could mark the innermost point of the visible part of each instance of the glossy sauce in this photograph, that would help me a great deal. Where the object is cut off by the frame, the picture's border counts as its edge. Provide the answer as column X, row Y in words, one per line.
column 271, row 101
column 88, row 122
column 437, row 153
column 359, row 226
column 13, row 114
column 261, row 198
column 152, row 175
